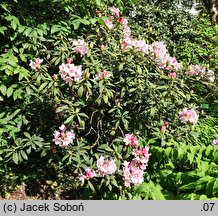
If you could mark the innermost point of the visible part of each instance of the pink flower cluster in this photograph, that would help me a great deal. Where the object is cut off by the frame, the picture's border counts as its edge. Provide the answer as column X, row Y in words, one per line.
column 132, row 174
column 89, row 174
column 157, row 49
column 80, row 47
column 103, row 75
column 115, row 15
column 162, row 58
column 172, row 75
column 215, row 142
column 36, row 64
column 115, row 11
column 141, row 46
column 141, row 157
column 70, row 72
column 109, row 23
column 63, row 138
column 130, row 140
column 127, row 40
column 106, row 167
column 133, row 171
column 188, row 115
column 201, row 72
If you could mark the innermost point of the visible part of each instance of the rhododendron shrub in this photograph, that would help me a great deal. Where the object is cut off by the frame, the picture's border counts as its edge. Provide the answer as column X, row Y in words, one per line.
column 114, row 88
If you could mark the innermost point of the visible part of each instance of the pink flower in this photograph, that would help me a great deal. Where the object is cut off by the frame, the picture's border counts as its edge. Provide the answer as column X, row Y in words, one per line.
column 108, row 23
column 141, row 155
column 163, row 129
column 141, row 46
column 159, row 46
column 98, row 13
column 188, row 115
column 82, row 177
column 69, row 60
column 36, row 64
column 70, row 72
column 102, row 46
column 105, row 166
column 196, row 70
column 130, row 140
column 211, row 79
column 126, row 32
column 215, row 142
column 55, row 76
column 63, row 138
column 80, row 47
column 162, row 58
column 126, row 43
column 210, row 76
column 172, row 64
column 132, row 174
column 172, row 75
column 103, row 75
column 88, row 175
column 123, row 21
column 201, row 72
column 115, row 11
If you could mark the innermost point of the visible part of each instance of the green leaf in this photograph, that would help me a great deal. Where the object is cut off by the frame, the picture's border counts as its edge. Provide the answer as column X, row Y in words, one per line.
column 105, row 98
column 139, row 70
column 80, row 91
column 17, row 93
column 84, row 21
column 42, row 86
column 152, row 111
column 13, row 25
column 120, row 67
column 91, row 186
column 69, row 119
column 76, row 24
column 209, row 187
column 10, row 91
column 2, row 30
column 43, row 153
column 55, row 28
column 215, row 188
column 15, row 157
column 93, row 20
column 83, row 115
column 24, row 155
column 3, row 89
column 190, row 157
column 27, row 135
column 188, row 187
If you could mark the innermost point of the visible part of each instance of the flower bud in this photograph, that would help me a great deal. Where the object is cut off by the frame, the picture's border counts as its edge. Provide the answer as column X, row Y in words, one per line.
column 55, row 76
column 98, row 13
column 102, row 46
column 91, row 45
column 87, row 75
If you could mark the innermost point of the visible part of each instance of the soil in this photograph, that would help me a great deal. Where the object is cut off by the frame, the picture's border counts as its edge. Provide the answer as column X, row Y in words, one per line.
column 35, row 191
column 23, row 193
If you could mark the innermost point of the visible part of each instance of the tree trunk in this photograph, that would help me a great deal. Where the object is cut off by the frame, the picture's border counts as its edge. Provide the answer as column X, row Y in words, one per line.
column 212, row 7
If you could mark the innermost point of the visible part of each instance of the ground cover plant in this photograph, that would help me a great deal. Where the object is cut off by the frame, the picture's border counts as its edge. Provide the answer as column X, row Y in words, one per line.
column 93, row 106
